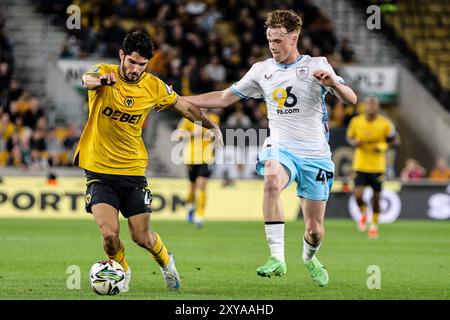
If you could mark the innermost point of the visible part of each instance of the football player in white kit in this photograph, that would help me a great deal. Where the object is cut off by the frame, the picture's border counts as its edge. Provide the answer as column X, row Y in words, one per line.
column 294, row 88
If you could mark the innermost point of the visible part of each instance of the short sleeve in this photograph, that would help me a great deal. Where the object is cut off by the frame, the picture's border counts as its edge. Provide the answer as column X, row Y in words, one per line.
column 324, row 65
column 390, row 130
column 248, row 86
column 166, row 97
column 99, row 69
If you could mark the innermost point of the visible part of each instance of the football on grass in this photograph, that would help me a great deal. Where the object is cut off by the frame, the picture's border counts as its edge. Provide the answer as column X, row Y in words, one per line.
column 107, row 277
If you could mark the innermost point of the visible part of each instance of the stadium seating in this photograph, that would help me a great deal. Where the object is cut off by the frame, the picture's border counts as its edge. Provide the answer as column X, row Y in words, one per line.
column 425, row 27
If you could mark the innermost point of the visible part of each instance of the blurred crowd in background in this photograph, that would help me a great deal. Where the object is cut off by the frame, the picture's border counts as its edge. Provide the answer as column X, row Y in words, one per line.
column 26, row 141
column 199, row 48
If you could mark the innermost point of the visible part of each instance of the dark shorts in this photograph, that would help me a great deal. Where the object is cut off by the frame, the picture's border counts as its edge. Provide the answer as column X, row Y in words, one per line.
column 128, row 194
column 199, row 170
column 374, row 180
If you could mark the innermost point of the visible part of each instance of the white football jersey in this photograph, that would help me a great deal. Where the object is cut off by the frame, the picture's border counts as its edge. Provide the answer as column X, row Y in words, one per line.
column 295, row 100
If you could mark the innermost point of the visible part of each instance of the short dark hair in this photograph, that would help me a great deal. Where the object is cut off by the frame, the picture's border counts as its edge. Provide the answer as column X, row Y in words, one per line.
column 138, row 42
column 284, row 19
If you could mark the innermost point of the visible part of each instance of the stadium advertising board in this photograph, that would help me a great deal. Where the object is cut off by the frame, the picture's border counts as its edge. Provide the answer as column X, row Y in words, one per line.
column 34, row 197
column 377, row 80
column 74, row 69
column 408, row 201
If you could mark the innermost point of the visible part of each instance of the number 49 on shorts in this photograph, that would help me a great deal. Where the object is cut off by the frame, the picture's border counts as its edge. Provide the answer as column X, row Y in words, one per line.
column 324, row 176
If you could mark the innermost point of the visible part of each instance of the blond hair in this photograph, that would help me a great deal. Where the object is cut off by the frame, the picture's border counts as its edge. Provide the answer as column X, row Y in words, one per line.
column 287, row 19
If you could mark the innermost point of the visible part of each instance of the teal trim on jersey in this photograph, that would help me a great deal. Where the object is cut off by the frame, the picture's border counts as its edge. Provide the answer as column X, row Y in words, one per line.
column 236, row 92
column 287, row 66
column 323, row 93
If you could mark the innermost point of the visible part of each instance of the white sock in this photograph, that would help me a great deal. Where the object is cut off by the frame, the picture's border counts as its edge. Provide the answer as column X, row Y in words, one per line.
column 275, row 239
column 309, row 251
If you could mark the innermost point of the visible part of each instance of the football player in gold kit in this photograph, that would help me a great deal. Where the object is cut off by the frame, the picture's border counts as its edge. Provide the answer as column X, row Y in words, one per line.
column 370, row 134
column 199, row 160
column 113, row 154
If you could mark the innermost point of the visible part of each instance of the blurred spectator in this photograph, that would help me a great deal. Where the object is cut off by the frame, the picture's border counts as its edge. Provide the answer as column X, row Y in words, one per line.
column 195, row 7
column 208, row 19
column 17, row 147
column 38, row 148
column 204, row 82
column 66, row 51
column 174, row 75
column 14, row 90
column 70, row 143
column 346, row 51
column 215, row 71
column 111, row 35
column 441, row 171
column 23, row 104
column 6, row 126
column 238, row 120
column 5, row 76
column 412, row 171
column 52, row 179
column 259, row 113
column 54, row 148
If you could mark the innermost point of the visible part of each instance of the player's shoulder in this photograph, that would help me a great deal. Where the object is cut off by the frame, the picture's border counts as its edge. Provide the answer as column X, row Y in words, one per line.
column 152, row 80
column 259, row 66
column 384, row 119
column 111, row 66
column 103, row 67
column 316, row 61
column 154, row 83
column 360, row 118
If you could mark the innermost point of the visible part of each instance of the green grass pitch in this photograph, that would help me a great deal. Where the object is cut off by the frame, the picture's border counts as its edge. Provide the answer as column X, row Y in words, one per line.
column 219, row 261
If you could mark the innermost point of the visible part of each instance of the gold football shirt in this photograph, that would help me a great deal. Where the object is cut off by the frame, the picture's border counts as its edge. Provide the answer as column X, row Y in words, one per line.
column 199, row 148
column 374, row 134
column 111, row 142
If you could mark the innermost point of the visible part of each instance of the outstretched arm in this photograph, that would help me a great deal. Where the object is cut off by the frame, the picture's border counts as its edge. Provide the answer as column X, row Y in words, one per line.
column 345, row 93
column 214, row 99
column 342, row 91
column 194, row 114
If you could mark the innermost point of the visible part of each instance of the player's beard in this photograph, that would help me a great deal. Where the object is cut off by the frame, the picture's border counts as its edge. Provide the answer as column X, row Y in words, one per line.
column 125, row 74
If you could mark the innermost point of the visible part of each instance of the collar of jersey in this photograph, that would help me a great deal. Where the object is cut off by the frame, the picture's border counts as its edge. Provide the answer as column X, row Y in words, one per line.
column 287, row 66
column 128, row 81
